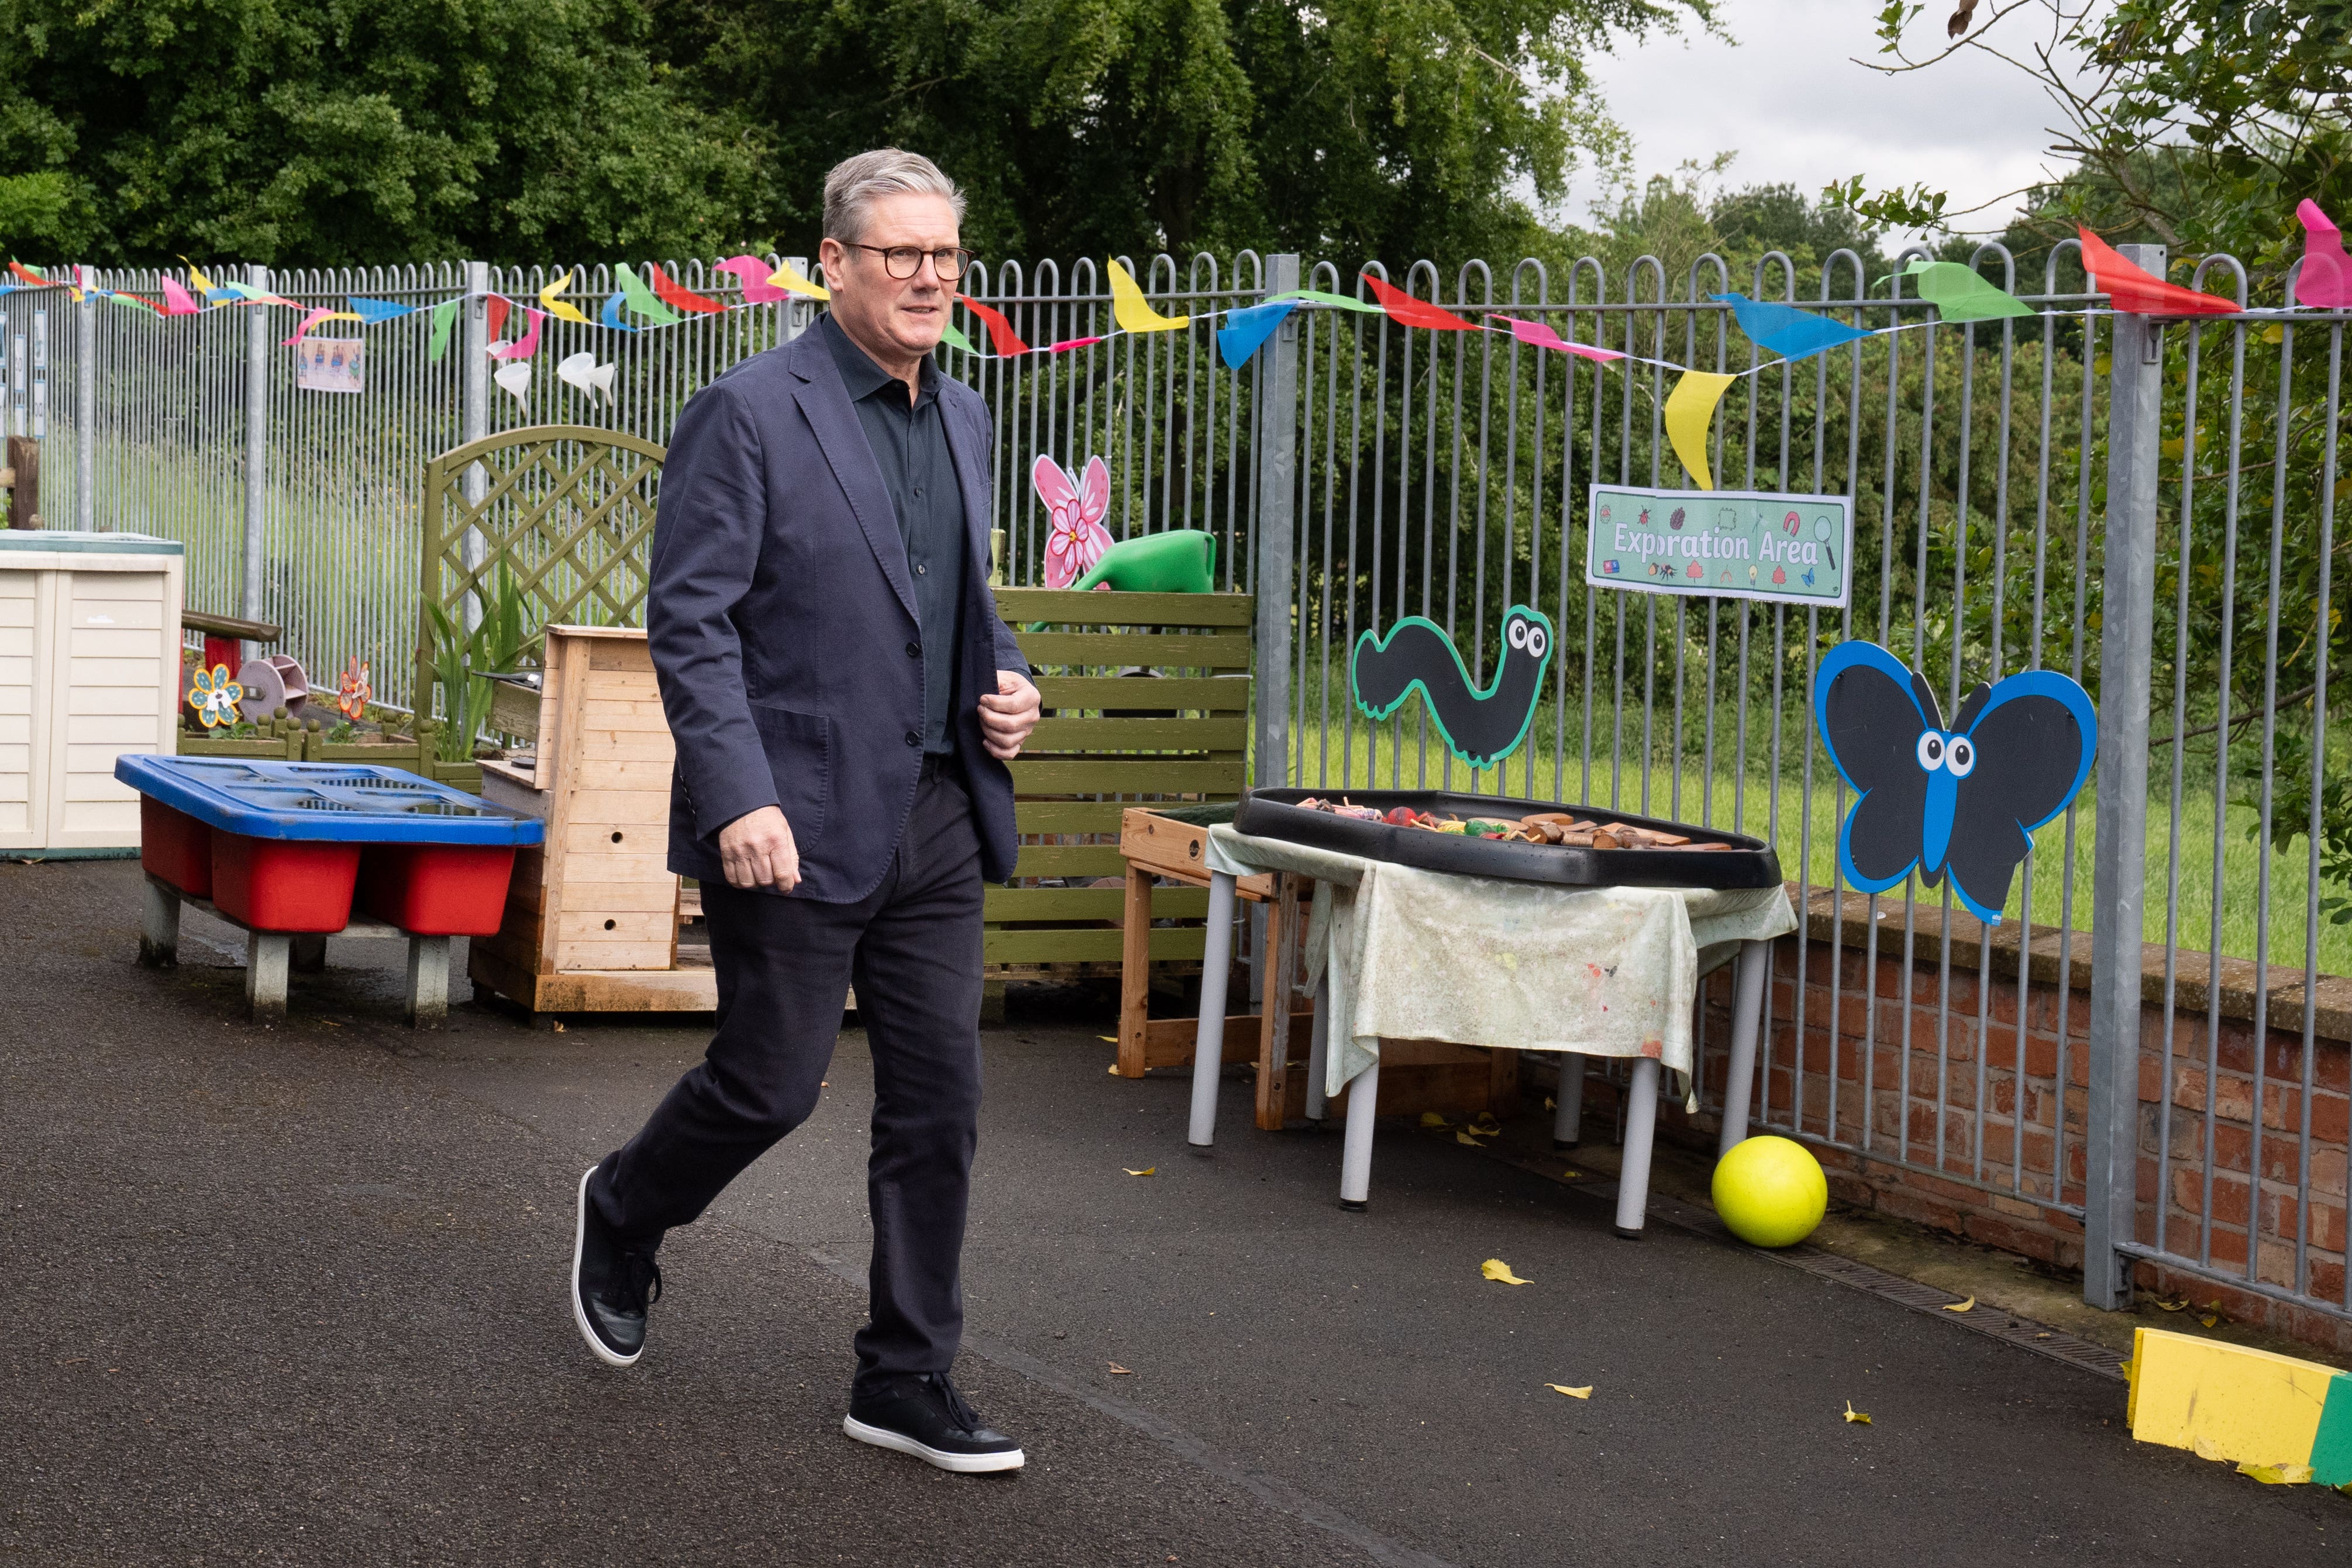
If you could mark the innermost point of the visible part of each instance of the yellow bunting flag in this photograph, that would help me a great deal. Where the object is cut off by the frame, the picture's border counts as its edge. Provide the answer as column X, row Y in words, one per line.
column 789, row 277
column 562, row 311
column 1690, row 410
column 1133, row 313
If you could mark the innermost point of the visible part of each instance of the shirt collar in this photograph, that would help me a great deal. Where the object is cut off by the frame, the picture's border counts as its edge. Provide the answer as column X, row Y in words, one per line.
column 862, row 376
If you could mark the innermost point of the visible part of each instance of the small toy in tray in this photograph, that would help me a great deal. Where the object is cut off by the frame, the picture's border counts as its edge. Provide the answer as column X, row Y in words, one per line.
column 1524, row 841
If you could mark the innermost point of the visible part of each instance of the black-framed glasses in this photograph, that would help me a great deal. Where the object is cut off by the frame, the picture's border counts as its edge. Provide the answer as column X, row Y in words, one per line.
column 901, row 261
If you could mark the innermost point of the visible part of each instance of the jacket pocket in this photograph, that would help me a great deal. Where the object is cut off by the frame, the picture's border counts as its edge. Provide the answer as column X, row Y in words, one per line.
column 799, row 748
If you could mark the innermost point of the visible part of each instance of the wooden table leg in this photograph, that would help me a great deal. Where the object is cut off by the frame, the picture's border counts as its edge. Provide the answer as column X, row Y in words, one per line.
column 1747, row 1024
column 1135, row 973
column 428, row 981
column 266, row 954
column 1282, row 941
column 1209, row 1044
column 159, row 926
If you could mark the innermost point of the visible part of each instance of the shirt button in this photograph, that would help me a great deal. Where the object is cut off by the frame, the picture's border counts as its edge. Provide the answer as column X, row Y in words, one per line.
column 922, row 571
column 914, row 650
column 914, row 739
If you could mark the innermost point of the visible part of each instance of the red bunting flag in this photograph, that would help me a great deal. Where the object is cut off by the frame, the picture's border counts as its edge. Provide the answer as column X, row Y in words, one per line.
column 28, row 275
column 679, row 295
column 1407, row 311
column 1001, row 335
column 497, row 306
column 2139, row 291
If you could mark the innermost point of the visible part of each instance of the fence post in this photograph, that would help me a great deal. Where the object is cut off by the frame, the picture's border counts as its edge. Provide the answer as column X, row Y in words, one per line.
column 86, row 413
column 2119, row 873
column 257, row 450
column 474, row 421
column 798, row 312
column 1272, row 552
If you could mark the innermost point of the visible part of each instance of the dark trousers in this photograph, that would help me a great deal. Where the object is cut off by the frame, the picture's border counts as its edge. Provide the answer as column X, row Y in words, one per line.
column 784, row 964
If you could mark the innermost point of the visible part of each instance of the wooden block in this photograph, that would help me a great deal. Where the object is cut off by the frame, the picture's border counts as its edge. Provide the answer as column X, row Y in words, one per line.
column 1169, row 1042
column 622, row 654
column 2240, row 1405
column 1283, row 933
column 1134, row 973
column 623, row 808
column 588, row 922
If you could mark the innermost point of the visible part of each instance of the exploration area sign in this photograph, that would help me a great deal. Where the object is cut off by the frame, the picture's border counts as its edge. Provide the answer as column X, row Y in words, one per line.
column 1722, row 544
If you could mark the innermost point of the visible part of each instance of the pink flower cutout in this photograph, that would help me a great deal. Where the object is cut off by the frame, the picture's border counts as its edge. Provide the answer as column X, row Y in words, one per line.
column 1075, row 538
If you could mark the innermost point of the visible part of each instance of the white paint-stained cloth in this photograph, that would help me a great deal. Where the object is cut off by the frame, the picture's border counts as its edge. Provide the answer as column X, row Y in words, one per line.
column 1474, row 960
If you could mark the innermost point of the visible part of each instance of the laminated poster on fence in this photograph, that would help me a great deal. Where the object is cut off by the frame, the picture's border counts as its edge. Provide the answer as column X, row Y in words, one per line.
column 1722, row 544
column 330, row 364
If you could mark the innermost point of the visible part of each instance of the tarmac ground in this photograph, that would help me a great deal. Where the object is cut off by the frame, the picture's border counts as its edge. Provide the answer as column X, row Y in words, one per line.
column 297, row 1295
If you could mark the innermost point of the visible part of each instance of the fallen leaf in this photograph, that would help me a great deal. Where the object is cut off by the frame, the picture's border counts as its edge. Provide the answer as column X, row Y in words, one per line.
column 2042, row 1337
column 2275, row 1475
column 1147, row 1170
column 559, row 1026
column 2203, row 1446
column 2211, row 1320
column 1571, row 1176
column 1114, row 1070
column 1118, row 1370
column 1496, row 1269
column 1484, row 1122
column 2180, row 1306
column 1855, row 1416
column 2125, row 1368
column 1960, row 1306
column 1463, row 1135
column 1583, row 1393
column 331, row 1023
column 1432, row 1119
column 1549, row 1103
column 1112, row 1038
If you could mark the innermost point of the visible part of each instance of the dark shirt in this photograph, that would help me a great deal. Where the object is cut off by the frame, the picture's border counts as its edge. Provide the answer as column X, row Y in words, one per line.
column 910, row 448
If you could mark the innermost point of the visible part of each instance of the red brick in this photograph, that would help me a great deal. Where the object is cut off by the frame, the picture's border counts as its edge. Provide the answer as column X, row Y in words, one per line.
column 2332, row 1069
column 2011, row 1236
column 2326, row 1283
column 2188, row 1088
column 1910, row 1206
column 2230, row 1201
column 2327, row 1171
column 2276, row 1264
column 2042, row 1055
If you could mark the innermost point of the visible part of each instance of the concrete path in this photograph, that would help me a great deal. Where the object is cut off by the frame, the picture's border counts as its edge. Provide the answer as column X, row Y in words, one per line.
column 297, row 1295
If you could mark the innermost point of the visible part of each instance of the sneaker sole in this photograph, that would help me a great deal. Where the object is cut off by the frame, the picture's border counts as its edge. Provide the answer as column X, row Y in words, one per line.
column 961, row 1464
column 580, row 1314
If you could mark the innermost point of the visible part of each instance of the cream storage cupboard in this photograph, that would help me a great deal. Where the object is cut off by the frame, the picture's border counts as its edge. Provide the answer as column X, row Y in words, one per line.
column 90, row 668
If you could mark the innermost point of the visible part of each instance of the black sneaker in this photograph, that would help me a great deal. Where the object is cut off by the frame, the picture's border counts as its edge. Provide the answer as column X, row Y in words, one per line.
column 925, row 1417
column 611, row 1287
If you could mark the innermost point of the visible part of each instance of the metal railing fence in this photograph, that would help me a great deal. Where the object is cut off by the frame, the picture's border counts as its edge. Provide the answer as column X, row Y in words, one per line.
column 1374, row 471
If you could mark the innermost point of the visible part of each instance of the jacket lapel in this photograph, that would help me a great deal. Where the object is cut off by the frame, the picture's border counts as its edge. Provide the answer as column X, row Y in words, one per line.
column 824, row 402
column 971, row 477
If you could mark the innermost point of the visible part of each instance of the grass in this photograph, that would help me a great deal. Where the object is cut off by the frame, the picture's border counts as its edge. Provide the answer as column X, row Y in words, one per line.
column 1803, row 826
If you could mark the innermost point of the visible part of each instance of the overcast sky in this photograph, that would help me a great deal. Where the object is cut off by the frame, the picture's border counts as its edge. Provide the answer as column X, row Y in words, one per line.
column 1788, row 99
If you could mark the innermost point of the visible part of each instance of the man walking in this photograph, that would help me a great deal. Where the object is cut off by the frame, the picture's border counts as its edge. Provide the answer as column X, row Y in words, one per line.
column 845, row 699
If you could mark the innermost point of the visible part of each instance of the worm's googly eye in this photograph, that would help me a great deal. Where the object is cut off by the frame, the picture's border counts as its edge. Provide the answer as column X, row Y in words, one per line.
column 1536, row 641
column 1931, row 751
column 1961, row 760
column 1517, row 633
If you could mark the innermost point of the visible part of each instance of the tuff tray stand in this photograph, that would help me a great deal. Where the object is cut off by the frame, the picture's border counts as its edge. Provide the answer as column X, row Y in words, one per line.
column 284, row 849
column 1273, row 813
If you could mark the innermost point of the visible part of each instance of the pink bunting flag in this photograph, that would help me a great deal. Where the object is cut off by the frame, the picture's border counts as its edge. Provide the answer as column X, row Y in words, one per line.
column 2327, row 276
column 524, row 346
column 177, row 301
column 1067, row 343
column 309, row 322
column 1543, row 337
column 757, row 289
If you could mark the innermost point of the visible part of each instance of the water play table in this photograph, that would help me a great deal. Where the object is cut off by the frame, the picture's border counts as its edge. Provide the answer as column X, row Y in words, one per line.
column 1590, row 957
column 285, row 850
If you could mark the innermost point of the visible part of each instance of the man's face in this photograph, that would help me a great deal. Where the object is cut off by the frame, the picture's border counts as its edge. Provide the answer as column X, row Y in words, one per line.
column 877, row 310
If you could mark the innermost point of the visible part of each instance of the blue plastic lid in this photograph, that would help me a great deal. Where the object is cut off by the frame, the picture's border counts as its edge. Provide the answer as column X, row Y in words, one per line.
column 323, row 802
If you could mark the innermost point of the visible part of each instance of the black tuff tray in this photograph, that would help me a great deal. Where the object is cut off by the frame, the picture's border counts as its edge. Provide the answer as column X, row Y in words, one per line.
column 1275, row 814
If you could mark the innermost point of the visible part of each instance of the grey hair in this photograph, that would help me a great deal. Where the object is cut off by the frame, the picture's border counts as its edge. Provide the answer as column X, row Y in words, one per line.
column 851, row 188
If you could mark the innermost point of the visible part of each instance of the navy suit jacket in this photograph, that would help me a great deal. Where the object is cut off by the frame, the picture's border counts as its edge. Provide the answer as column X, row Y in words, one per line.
column 782, row 623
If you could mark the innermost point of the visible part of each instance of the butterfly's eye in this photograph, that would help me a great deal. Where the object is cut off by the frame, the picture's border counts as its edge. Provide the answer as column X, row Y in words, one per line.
column 1517, row 633
column 1961, row 760
column 1536, row 641
column 1931, row 751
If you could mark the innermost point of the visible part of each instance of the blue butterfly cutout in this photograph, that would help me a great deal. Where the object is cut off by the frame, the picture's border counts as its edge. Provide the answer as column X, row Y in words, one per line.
column 1961, row 801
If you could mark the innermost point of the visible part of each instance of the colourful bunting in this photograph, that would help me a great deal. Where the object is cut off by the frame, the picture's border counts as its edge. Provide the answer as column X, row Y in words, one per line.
column 1337, row 301
column 515, row 379
column 757, row 287
column 2327, row 276
column 1132, row 312
column 496, row 308
column 1543, row 337
column 562, row 309
column 641, row 299
column 1001, row 335
column 196, row 276
column 611, row 315
column 955, row 339
column 444, row 316
column 177, row 301
column 2136, row 290
column 1791, row 333
column 1068, row 343
column 252, row 296
column 371, row 311
column 680, row 296
column 1690, row 410
column 1246, row 328
column 30, row 276
column 1961, row 293
column 788, row 277
column 582, row 370
column 323, row 313
column 1407, row 311
column 524, row 346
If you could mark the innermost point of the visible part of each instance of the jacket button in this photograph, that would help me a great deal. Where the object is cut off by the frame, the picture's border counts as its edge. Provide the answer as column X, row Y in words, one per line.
column 913, row 738
column 914, row 650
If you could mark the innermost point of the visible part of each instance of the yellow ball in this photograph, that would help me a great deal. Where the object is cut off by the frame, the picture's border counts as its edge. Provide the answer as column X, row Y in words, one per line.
column 1770, row 1191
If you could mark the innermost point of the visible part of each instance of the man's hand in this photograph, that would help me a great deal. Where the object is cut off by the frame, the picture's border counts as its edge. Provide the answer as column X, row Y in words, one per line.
column 1007, row 717
column 758, row 851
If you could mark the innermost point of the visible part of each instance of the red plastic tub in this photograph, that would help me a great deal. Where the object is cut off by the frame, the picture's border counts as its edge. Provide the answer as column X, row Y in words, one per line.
column 274, row 885
column 175, row 847
column 437, row 890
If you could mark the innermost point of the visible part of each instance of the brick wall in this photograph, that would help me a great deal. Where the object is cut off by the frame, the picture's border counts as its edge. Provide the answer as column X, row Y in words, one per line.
column 2012, row 1058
